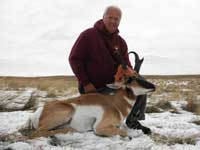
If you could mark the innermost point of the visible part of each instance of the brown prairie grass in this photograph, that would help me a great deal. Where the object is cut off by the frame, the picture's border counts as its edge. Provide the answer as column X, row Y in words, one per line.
column 54, row 85
column 173, row 140
column 169, row 88
column 193, row 106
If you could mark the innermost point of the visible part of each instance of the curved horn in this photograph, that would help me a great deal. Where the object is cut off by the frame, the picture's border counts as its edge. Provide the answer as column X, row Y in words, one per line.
column 120, row 59
column 138, row 61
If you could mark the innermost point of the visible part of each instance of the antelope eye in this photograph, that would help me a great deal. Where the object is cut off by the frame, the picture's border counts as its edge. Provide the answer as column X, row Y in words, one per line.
column 134, row 78
column 130, row 79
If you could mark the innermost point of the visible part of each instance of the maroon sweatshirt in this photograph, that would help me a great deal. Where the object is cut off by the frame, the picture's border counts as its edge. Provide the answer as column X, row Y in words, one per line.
column 91, row 57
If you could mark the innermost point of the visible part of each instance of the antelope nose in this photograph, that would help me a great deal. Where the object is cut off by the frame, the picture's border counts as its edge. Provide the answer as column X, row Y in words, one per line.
column 153, row 88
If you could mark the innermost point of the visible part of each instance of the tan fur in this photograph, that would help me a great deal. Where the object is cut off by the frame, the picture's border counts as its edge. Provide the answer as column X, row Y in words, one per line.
column 51, row 112
column 56, row 113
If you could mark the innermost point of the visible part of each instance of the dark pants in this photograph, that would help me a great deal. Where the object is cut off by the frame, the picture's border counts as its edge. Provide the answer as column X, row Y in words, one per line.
column 81, row 89
column 140, row 107
column 137, row 113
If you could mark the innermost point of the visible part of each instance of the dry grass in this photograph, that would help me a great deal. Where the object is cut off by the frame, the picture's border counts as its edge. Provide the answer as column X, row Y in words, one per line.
column 173, row 140
column 54, row 85
column 193, row 106
column 197, row 122
column 169, row 88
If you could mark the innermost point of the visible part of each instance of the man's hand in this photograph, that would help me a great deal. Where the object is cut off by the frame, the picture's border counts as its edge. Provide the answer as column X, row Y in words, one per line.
column 89, row 88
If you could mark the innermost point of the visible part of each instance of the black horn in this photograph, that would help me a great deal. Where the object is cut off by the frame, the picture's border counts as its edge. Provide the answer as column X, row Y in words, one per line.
column 138, row 61
column 119, row 59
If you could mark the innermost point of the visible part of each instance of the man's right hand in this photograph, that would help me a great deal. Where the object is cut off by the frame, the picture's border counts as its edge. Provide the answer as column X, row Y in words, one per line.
column 89, row 88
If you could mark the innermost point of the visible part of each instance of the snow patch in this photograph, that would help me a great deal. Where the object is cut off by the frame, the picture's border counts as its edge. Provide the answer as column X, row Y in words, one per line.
column 13, row 121
column 15, row 100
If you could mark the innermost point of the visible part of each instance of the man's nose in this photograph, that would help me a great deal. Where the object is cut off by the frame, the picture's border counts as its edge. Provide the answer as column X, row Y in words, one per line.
column 113, row 20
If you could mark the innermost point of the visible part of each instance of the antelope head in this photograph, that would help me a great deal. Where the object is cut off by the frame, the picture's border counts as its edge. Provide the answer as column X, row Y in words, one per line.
column 126, row 77
column 139, row 85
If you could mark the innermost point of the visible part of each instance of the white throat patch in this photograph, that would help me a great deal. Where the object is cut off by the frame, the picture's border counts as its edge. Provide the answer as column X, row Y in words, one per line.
column 139, row 91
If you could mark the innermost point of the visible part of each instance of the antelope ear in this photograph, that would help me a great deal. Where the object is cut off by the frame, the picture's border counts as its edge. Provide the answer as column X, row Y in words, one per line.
column 116, row 85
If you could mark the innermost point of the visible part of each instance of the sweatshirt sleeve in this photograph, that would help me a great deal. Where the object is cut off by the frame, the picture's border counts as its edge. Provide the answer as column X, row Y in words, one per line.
column 125, row 53
column 77, row 58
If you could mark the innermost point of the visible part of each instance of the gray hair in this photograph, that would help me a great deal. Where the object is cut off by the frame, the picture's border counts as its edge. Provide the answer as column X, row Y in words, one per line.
column 112, row 7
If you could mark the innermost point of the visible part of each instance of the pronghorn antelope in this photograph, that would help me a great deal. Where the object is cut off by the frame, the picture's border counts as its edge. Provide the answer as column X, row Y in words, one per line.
column 104, row 114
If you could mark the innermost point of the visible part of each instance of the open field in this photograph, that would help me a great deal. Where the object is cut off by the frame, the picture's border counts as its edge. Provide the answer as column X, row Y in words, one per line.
column 173, row 112
column 176, row 87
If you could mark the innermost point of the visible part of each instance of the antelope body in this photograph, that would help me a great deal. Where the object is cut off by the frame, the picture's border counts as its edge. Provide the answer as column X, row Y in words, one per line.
column 104, row 114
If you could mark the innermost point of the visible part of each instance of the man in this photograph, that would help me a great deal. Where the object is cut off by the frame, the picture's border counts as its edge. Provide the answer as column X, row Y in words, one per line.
column 92, row 56
column 93, row 60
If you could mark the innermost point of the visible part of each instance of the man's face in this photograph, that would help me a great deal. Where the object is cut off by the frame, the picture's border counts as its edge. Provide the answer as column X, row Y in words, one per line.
column 112, row 19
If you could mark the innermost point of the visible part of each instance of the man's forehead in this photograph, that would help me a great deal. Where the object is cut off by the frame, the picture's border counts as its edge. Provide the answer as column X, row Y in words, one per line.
column 113, row 12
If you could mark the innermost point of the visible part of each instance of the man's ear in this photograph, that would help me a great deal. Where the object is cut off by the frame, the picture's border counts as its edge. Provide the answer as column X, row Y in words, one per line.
column 116, row 85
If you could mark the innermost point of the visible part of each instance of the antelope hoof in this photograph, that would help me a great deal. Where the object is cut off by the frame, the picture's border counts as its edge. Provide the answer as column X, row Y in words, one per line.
column 129, row 137
column 146, row 130
column 138, row 126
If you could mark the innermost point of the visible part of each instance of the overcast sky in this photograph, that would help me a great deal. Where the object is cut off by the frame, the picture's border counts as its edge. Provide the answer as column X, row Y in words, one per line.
column 36, row 36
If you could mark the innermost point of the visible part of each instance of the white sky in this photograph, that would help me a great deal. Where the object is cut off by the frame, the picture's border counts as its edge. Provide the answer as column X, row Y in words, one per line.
column 36, row 36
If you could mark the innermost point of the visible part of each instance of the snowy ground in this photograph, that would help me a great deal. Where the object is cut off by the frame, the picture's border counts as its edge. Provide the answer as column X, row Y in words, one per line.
column 172, row 129
column 166, row 126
